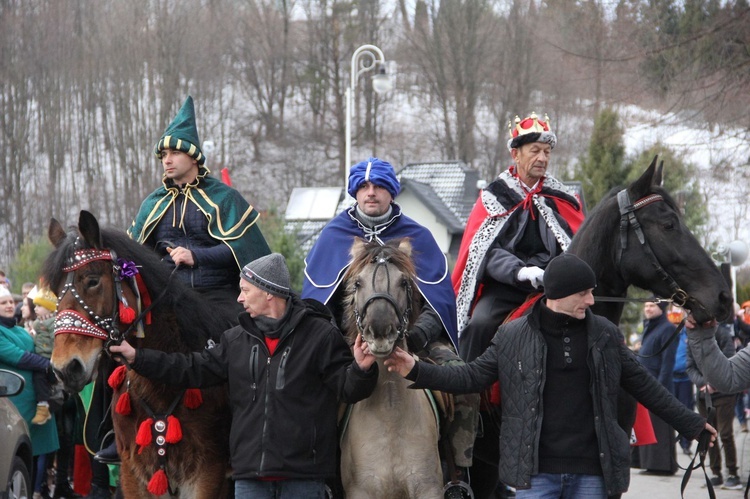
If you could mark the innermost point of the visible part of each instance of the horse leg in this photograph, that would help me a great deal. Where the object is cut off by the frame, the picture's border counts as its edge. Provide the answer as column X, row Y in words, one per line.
column 213, row 484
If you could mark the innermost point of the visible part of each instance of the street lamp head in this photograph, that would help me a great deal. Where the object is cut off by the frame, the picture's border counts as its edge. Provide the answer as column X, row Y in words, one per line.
column 738, row 252
column 381, row 82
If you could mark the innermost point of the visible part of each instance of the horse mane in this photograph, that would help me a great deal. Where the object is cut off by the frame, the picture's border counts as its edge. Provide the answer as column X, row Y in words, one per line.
column 367, row 257
column 197, row 320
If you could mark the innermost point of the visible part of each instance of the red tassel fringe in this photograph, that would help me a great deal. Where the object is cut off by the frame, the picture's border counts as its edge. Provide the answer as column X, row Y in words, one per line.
column 127, row 314
column 117, row 377
column 123, row 404
column 144, row 437
column 158, row 483
column 193, row 398
column 174, row 430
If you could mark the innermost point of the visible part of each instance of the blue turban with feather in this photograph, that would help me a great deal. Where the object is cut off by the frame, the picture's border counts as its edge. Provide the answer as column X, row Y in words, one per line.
column 374, row 170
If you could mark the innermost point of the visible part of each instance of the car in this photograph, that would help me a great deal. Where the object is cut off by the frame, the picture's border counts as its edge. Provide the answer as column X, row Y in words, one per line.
column 16, row 455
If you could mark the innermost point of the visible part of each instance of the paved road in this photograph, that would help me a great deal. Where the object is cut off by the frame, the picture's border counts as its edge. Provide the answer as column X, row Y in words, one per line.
column 668, row 487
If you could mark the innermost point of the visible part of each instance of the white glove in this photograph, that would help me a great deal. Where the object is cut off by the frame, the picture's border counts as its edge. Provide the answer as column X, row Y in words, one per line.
column 532, row 274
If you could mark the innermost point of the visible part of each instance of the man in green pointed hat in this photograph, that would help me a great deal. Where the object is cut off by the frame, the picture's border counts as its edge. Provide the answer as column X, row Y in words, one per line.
column 196, row 222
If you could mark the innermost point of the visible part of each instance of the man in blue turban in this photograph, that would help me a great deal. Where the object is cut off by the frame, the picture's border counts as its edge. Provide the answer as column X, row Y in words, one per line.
column 376, row 217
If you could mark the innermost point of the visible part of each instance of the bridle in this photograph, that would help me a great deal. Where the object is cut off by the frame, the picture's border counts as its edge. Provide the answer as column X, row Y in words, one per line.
column 104, row 328
column 73, row 322
column 381, row 261
column 628, row 221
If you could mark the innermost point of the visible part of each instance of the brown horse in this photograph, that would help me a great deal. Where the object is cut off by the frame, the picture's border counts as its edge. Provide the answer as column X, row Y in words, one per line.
column 390, row 445
column 168, row 439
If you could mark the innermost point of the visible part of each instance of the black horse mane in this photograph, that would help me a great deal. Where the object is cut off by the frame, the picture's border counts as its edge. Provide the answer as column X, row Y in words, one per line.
column 197, row 320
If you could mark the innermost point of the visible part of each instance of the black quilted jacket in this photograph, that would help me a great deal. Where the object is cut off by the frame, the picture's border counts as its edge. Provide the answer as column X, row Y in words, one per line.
column 516, row 358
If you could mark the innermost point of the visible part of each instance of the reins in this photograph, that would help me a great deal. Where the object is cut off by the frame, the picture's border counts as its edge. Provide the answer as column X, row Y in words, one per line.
column 704, row 441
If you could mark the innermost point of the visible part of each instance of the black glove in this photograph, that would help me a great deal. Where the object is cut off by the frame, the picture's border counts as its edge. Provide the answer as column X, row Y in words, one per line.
column 417, row 340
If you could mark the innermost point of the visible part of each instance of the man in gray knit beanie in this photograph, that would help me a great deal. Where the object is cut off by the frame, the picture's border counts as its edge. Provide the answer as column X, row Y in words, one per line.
column 269, row 273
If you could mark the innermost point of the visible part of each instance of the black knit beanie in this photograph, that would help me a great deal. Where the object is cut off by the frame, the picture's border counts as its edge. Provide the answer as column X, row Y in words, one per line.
column 566, row 275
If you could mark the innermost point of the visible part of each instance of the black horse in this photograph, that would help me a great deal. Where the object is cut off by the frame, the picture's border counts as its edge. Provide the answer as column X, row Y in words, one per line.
column 634, row 236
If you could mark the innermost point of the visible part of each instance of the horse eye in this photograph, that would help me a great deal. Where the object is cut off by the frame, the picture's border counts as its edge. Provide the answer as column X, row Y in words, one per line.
column 357, row 284
column 669, row 226
column 404, row 282
column 92, row 282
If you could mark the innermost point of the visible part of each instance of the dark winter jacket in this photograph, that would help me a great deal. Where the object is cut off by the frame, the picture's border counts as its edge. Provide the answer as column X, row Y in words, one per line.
column 656, row 333
column 284, row 406
column 517, row 358
column 214, row 261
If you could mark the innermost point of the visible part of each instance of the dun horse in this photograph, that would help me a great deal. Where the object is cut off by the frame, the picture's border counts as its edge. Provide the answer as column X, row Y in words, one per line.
column 634, row 236
column 169, row 440
column 390, row 445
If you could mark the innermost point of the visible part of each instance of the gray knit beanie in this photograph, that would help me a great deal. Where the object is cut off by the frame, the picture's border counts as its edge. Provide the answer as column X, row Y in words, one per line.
column 567, row 275
column 268, row 273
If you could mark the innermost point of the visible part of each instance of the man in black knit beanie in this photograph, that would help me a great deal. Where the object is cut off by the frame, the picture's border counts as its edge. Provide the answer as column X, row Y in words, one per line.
column 560, row 369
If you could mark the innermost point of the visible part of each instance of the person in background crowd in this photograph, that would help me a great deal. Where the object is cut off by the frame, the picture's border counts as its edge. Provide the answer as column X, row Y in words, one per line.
column 657, row 354
column 45, row 303
column 25, row 288
column 723, row 404
column 17, row 355
column 4, row 281
column 560, row 369
column 683, row 386
column 284, row 436
column 741, row 339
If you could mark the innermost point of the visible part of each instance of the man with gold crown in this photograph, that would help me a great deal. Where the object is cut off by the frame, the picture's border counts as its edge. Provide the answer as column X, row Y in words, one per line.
column 521, row 221
column 193, row 220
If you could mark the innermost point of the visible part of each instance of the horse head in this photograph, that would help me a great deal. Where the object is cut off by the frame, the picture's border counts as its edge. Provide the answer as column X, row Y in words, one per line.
column 381, row 301
column 82, row 274
column 637, row 237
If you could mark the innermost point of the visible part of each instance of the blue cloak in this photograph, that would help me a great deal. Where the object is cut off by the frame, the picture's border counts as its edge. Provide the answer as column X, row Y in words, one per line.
column 329, row 258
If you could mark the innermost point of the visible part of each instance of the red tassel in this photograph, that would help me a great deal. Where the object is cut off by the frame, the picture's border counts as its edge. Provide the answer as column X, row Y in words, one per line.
column 158, row 483
column 193, row 398
column 143, row 438
column 123, row 404
column 174, row 430
column 127, row 314
column 117, row 377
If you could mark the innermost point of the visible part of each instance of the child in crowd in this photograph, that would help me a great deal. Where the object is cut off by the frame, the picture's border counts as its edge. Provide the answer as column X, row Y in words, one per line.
column 45, row 303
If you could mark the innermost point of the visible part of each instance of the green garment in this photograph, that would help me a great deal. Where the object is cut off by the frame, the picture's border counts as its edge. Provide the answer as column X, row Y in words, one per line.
column 230, row 218
column 14, row 342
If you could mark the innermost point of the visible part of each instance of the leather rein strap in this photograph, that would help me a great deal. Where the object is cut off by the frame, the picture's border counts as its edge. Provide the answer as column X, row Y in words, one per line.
column 700, row 453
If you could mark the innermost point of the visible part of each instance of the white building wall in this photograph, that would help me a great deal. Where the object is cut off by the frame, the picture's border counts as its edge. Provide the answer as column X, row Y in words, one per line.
column 413, row 208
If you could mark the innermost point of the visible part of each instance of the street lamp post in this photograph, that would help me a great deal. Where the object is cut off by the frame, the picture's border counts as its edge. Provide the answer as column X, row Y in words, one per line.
column 366, row 58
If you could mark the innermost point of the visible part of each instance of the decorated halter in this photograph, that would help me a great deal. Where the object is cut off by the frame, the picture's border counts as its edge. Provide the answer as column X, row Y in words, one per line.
column 104, row 328
column 629, row 220
column 381, row 261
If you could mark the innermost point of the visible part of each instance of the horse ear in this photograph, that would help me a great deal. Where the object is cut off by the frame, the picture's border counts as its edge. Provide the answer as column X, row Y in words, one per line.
column 658, row 175
column 358, row 247
column 89, row 229
column 643, row 185
column 56, row 233
column 405, row 246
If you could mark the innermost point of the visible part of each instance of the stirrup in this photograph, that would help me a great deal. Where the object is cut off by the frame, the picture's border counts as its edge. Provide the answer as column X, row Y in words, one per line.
column 457, row 490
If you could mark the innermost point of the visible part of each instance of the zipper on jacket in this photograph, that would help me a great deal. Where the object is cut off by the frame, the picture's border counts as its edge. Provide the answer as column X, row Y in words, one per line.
column 254, row 369
column 280, row 378
column 264, row 433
